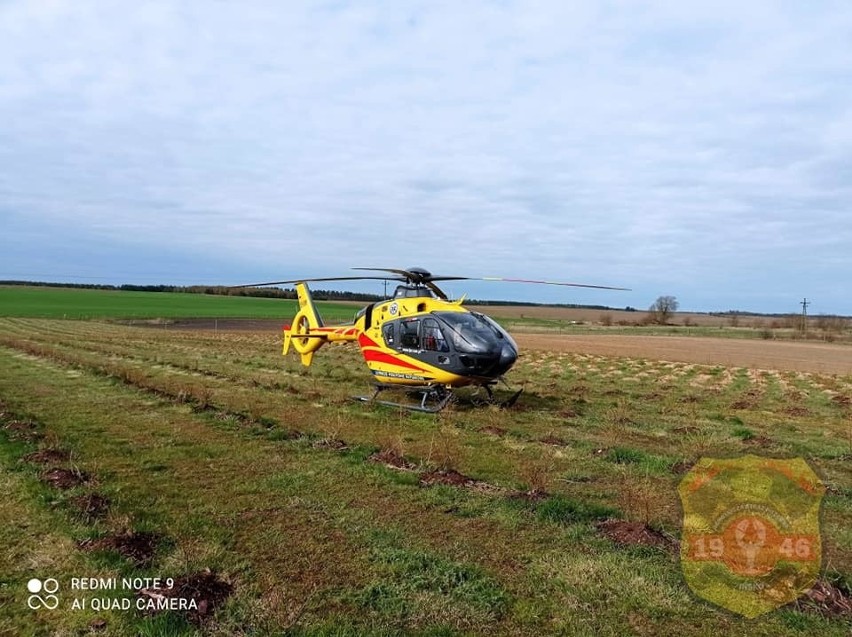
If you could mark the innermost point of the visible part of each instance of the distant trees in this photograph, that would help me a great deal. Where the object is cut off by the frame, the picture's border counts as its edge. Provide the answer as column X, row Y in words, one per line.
column 662, row 309
column 223, row 290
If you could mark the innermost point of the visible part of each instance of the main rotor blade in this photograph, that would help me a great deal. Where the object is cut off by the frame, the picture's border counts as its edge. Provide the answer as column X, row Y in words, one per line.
column 449, row 278
column 573, row 285
column 408, row 276
column 428, row 279
column 438, row 291
column 331, row 278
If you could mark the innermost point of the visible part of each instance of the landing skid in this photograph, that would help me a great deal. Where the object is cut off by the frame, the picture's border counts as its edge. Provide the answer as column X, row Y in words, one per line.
column 433, row 398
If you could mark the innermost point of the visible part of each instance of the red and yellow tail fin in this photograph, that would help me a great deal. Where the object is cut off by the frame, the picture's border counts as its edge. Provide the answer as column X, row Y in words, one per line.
column 307, row 333
column 299, row 332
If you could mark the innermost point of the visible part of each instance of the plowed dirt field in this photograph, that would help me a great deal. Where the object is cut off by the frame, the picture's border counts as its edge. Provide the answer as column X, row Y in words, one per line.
column 782, row 355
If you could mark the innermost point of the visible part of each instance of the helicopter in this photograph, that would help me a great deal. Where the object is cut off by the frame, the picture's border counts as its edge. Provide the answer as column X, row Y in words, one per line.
column 418, row 340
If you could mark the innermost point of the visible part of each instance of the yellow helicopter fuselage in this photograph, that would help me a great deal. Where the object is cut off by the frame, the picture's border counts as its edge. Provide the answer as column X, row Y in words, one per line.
column 413, row 339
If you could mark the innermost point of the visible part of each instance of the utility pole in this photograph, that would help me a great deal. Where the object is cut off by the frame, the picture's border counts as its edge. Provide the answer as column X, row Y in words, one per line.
column 805, row 303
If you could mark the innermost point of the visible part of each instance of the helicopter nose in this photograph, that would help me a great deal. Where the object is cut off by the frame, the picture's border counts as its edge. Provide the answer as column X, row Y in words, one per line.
column 508, row 356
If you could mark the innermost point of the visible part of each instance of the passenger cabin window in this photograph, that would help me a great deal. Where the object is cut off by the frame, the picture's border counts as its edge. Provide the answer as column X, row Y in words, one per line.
column 389, row 333
column 409, row 334
column 433, row 339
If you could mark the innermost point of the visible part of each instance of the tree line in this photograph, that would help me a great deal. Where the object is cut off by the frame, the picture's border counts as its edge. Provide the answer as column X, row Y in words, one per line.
column 277, row 293
column 221, row 290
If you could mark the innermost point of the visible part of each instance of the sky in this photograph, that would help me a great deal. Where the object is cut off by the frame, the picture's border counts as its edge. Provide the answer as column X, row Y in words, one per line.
column 698, row 150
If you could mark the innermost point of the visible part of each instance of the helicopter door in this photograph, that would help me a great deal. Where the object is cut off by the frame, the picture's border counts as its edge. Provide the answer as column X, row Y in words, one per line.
column 432, row 338
column 423, row 339
column 409, row 334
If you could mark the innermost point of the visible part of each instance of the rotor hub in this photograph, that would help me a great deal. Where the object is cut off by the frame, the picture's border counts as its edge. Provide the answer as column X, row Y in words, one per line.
column 418, row 275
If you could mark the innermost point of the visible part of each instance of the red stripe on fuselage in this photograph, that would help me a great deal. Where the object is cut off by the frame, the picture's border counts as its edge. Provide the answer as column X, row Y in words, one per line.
column 366, row 341
column 383, row 357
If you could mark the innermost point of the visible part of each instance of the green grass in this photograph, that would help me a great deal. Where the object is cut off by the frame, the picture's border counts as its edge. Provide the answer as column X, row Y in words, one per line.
column 412, row 582
column 192, row 435
column 566, row 511
column 73, row 303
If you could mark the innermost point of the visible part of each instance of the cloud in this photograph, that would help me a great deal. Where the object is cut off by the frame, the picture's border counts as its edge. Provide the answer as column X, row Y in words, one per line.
column 702, row 148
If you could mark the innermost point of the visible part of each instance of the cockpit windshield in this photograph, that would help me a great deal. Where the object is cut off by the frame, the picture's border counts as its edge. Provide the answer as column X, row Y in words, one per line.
column 474, row 333
column 503, row 333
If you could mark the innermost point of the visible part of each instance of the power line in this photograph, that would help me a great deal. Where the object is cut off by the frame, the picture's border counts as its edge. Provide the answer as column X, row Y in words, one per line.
column 805, row 303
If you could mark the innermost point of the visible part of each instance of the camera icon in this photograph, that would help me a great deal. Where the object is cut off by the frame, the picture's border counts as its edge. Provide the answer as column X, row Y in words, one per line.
column 49, row 587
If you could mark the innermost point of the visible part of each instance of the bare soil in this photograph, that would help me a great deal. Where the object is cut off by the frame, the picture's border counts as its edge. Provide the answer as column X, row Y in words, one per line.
column 48, row 456
column 333, row 444
column 447, row 476
column 207, row 589
column 759, row 441
column 629, row 533
column 92, row 506
column 781, row 355
column 64, row 478
column 22, row 430
column 392, row 460
column 681, row 467
column 137, row 547
column 827, row 599
column 453, row 478
column 97, row 625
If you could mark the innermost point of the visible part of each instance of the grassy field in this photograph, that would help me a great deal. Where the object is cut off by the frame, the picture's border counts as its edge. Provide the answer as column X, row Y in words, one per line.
column 208, row 458
column 72, row 303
